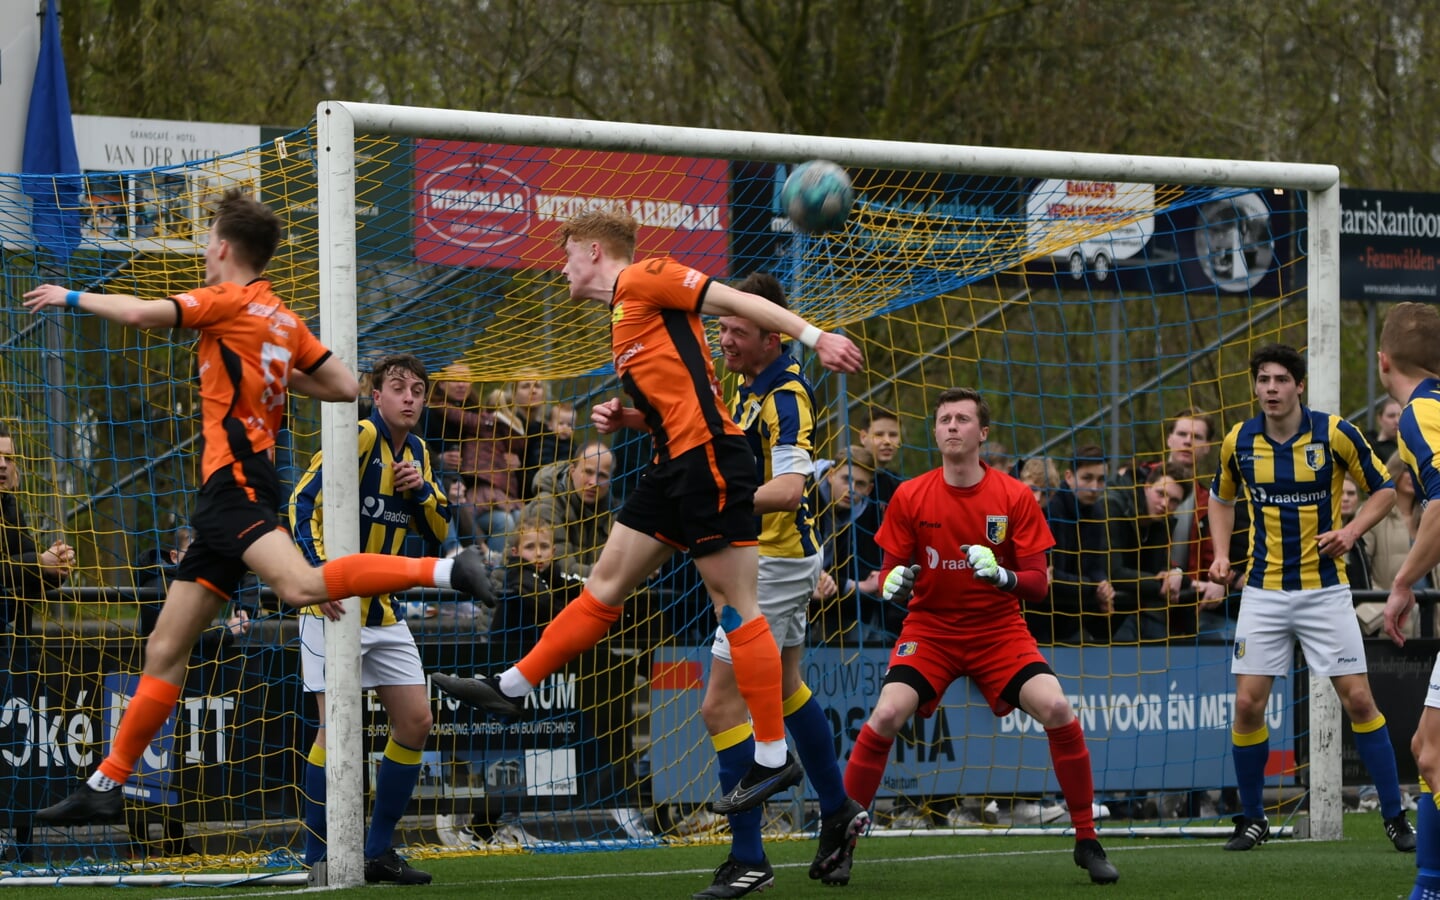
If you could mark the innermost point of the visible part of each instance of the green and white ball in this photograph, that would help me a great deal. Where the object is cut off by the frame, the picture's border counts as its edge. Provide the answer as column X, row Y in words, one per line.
column 817, row 197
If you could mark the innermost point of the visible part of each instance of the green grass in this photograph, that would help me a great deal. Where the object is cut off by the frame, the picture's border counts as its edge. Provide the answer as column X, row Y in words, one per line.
column 1363, row 865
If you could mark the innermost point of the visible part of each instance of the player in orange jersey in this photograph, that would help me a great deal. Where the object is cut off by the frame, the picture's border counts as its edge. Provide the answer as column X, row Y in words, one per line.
column 252, row 349
column 698, row 495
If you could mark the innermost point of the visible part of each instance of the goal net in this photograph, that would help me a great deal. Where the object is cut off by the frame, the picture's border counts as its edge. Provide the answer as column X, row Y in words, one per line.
column 1094, row 300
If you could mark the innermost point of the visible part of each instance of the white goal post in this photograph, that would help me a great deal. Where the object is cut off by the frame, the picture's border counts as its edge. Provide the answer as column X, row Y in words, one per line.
column 340, row 122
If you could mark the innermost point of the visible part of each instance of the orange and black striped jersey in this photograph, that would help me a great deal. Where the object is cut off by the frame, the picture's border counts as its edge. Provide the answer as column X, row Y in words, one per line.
column 249, row 343
column 662, row 357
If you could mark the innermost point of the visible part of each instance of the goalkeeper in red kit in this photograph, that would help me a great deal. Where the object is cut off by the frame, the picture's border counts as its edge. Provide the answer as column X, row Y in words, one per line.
column 965, row 546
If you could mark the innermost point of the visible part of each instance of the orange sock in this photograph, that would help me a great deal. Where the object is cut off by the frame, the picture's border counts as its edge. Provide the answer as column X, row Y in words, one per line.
column 756, row 661
column 152, row 704
column 368, row 574
column 578, row 627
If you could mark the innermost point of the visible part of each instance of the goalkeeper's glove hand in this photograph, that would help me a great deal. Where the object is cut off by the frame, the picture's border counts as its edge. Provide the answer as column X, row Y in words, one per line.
column 900, row 584
column 987, row 568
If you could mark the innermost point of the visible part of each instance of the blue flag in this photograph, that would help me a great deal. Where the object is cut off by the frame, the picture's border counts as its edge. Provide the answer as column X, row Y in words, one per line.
column 51, row 166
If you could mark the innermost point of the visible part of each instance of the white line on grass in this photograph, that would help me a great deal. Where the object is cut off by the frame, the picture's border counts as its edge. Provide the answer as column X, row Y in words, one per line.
column 1112, row 849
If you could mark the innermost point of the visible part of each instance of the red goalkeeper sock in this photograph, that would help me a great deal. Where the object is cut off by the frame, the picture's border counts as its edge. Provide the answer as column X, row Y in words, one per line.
column 1072, row 769
column 867, row 765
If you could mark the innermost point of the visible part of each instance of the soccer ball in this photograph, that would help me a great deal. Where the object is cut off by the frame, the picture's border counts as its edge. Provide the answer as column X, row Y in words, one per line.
column 817, row 196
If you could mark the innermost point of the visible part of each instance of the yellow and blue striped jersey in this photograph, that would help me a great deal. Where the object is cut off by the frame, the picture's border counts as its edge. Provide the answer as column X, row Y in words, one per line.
column 1294, row 488
column 1419, row 439
column 384, row 517
column 777, row 412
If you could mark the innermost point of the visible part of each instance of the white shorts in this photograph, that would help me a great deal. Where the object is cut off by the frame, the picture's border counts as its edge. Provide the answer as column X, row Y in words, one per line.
column 1322, row 620
column 1432, row 693
column 785, row 588
column 387, row 655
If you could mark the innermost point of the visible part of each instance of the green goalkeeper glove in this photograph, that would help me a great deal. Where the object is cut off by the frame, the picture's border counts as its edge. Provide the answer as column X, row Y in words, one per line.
column 987, row 568
column 900, row 584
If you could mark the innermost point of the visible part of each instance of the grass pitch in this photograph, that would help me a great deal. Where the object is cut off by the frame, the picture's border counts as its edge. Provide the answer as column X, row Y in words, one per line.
column 1363, row 865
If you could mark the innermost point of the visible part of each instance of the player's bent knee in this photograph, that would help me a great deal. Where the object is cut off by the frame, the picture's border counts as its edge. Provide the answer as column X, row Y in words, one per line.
column 414, row 731
column 887, row 719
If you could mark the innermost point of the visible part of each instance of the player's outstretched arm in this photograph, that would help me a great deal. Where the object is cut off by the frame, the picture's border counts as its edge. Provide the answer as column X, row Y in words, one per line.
column 836, row 352
column 122, row 308
column 333, row 382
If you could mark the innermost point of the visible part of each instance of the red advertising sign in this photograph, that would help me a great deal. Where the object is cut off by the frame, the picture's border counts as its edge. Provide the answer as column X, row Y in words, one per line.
column 497, row 206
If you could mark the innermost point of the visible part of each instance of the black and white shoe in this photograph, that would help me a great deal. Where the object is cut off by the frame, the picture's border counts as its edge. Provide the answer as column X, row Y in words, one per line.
column 86, row 806
column 471, row 575
column 1250, row 833
column 759, row 784
column 391, row 867
column 838, row 834
column 1090, row 856
column 736, row 879
column 480, row 692
column 1400, row 833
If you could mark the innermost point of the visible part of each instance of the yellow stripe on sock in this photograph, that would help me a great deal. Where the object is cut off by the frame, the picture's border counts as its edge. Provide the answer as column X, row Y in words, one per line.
column 796, row 700
column 1374, row 724
column 1251, row 739
column 316, row 756
column 398, row 752
column 731, row 736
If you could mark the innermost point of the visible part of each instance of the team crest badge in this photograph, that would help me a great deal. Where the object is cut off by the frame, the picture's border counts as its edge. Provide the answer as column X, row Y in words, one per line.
column 1315, row 456
column 749, row 412
column 996, row 527
column 907, row 649
column 1239, row 648
column 617, row 312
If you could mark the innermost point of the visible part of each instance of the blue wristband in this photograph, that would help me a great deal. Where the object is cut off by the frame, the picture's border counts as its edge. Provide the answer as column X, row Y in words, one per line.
column 72, row 298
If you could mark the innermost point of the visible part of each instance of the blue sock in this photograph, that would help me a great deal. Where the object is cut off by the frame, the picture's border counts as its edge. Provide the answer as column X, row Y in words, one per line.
column 394, row 783
column 814, row 742
column 1378, row 756
column 735, row 750
column 1251, row 752
column 1427, row 842
column 315, row 805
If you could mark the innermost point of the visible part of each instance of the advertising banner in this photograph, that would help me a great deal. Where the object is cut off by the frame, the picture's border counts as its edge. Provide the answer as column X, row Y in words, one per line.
column 1389, row 246
column 496, row 206
column 1154, row 717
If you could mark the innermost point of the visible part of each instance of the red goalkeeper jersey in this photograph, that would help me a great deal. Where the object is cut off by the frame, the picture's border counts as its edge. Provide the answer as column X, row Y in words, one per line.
column 928, row 521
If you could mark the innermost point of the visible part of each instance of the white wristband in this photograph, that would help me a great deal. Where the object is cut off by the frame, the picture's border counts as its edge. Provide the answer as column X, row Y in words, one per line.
column 810, row 336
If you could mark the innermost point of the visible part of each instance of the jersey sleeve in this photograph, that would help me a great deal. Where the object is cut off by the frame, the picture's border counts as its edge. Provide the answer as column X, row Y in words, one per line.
column 206, row 306
column 430, row 512
column 790, row 421
column 666, row 283
column 1419, row 437
column 308, row 353
column 1226, row 486
column 306, row 519
column 1032, row 533
column 896, row 536
column 1359, row 457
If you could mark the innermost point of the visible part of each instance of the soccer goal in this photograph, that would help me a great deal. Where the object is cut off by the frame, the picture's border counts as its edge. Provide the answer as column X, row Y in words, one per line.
column 1092, row 298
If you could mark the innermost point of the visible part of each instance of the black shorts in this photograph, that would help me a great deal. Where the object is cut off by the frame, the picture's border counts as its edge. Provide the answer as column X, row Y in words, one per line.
column 702, row 500
column 237, row 506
